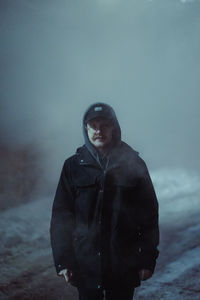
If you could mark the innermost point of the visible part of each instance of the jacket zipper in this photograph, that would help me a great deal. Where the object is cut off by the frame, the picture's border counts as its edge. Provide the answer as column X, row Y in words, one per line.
column 100, row 214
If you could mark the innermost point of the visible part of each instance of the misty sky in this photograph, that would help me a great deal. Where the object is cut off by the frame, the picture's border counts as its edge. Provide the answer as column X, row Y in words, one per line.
column 140, row 56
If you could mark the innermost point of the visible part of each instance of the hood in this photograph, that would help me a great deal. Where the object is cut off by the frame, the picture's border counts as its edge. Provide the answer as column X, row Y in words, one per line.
column 106, row 111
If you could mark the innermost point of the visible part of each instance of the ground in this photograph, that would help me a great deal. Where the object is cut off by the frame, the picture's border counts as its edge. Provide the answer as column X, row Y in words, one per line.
column 27, row 271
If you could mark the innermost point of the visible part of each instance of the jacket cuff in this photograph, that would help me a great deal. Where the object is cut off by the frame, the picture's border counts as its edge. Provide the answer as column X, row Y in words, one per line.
column 147, row 263
column 65, row 265
column 60, row 267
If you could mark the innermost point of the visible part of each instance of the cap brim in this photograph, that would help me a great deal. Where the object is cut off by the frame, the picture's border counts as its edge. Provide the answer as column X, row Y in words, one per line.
column 98, row 114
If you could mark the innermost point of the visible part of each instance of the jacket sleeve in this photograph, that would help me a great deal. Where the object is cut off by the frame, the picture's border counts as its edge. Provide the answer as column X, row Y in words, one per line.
column 62, row 223
column 148, row 229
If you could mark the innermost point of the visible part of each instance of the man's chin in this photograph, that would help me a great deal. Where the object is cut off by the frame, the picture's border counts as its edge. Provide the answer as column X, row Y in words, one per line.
column 99, row 144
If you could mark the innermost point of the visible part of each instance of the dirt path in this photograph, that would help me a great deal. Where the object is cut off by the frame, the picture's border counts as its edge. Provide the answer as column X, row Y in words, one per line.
column 27, row 271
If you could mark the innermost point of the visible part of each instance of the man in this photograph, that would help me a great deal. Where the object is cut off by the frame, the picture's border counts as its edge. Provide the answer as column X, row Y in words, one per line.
column 104, row 227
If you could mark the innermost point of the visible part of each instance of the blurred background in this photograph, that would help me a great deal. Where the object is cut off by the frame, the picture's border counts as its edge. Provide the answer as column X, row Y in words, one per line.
column 58, row 57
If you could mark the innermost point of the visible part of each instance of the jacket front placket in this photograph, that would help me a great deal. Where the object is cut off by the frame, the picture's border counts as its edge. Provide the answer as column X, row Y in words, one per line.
column 99, row 212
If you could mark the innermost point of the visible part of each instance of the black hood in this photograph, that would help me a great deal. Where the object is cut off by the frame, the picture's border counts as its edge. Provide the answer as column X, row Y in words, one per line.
column 105, row 111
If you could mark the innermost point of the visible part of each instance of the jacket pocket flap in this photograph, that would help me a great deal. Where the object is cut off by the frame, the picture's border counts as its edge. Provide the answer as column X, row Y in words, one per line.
column 83, row 180
column 125, row 186
column 125, row 183
column 122, row 180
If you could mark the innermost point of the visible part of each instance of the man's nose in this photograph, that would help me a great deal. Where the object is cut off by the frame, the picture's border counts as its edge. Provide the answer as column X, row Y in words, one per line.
column 98, row 130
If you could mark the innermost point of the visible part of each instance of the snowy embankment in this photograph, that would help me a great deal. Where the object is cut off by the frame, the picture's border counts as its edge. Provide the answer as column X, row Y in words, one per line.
column 27, row 270
column 177, row 274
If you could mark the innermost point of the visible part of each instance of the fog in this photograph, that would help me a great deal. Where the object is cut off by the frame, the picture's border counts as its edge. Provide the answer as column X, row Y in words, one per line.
column 142, row 57
column 57, row 58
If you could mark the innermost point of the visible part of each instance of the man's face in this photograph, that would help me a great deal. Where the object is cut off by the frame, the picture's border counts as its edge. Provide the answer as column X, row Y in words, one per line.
column 99, row 132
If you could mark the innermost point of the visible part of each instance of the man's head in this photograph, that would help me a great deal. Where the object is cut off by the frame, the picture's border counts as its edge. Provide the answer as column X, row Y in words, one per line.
column 99, row 131
column 101, row 128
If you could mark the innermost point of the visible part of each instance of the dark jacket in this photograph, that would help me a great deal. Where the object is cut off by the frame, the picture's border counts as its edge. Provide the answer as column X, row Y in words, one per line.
column 104, row 224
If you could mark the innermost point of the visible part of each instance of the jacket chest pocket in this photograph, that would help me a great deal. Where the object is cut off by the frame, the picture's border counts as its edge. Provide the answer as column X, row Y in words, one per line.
column 86, row 196
column 83, row 181
column 125, row 190
column 121, row 182
column 125, row 197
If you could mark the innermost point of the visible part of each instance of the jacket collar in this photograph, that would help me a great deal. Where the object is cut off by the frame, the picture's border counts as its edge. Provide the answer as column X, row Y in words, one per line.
column 118, row 156
column 85, row 157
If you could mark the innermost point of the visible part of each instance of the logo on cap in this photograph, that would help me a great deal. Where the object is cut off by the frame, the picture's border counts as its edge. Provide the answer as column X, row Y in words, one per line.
column 98, row 108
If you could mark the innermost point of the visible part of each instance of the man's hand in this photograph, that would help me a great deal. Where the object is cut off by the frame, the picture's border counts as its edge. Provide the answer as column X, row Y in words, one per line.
column 145, row 274
column 67, row 274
